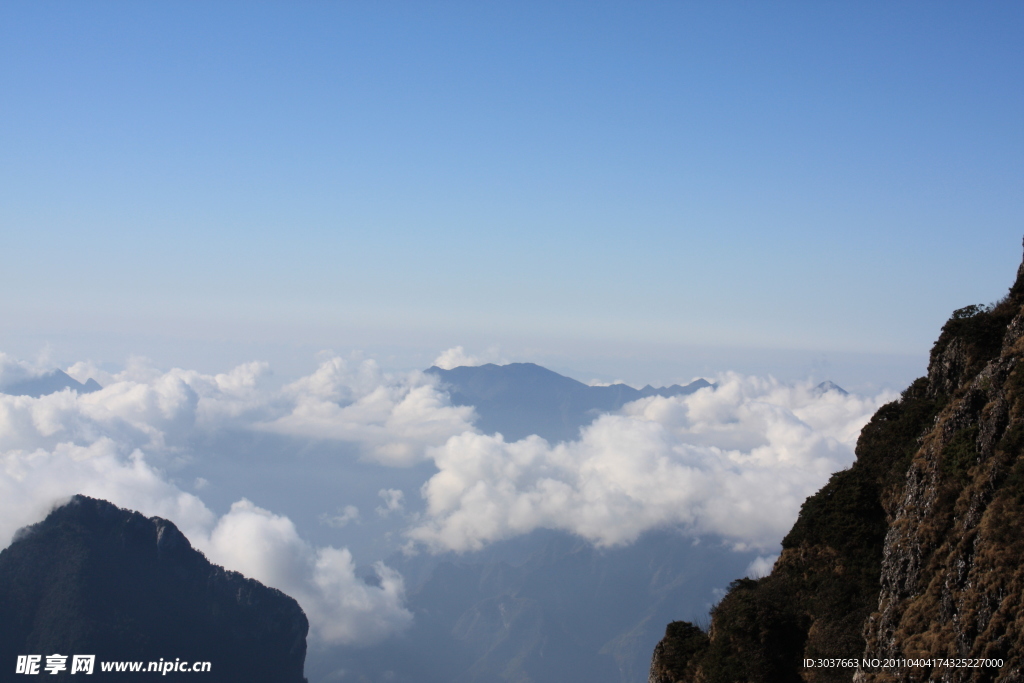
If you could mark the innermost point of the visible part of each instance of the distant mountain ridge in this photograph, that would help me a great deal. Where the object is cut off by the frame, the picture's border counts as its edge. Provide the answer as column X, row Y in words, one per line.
column 50, row 383
column 520, row 399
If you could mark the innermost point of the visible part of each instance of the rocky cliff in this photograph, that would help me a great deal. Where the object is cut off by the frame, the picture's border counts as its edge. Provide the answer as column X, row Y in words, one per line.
column 915, row 552
column 93, row 579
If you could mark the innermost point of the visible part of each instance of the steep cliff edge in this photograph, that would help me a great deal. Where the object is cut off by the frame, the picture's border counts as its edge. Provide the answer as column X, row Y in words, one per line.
column 93, row 579
column 915, row 552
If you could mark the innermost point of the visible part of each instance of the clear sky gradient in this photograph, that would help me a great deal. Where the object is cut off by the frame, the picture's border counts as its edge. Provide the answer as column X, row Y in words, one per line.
column 549, row 177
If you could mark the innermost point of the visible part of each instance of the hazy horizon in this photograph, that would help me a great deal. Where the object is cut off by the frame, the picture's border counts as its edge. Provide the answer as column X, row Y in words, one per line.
column 267, row 181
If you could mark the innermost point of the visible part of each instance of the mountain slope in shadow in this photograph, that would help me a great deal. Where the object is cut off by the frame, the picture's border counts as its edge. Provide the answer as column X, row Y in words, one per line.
column 94, row 579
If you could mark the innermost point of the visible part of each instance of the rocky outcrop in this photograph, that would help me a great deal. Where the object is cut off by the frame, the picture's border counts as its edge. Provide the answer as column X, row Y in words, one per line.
column 952, row 573
column 916, row 552
column 95, row 579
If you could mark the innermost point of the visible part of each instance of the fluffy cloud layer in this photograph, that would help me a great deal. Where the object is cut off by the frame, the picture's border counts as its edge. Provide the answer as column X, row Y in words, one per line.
column 394, row 417
column 33, row 481
column 736, row 461
column 341, row 607
column 14, row 370
column 102, row 444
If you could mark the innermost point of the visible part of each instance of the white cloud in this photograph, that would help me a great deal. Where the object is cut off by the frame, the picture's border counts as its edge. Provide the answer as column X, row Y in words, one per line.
column 394, row 417
column 138, row 408
column 32, row 482
column 393, row 501
column 341, row 607
column 350, row 513
column 99, row 444
column 736, row 462
column 457, row 357
column 13, row 370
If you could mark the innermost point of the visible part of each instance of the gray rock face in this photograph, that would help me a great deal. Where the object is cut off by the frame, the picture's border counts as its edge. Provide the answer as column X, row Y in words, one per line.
column 95, row 579
column 952, row 582
column 914, row 553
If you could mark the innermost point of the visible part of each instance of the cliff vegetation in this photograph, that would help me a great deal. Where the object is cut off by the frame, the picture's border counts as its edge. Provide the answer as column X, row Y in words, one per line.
column 915, row 552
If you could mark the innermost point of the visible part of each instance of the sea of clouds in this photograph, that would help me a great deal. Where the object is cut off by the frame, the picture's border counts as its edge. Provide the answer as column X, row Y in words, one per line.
column 733, row 462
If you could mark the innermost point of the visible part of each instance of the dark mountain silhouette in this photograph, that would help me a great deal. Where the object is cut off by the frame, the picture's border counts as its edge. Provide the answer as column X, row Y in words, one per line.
column 520, row 399
column 50, row 383
column 95, row 579
column 914, row 553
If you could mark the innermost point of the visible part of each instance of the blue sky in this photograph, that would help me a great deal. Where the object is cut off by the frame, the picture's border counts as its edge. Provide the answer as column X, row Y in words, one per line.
column 211, row 182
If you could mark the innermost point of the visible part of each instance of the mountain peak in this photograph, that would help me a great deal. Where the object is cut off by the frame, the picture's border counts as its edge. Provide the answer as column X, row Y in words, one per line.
column 49, row 383
column 827, row 386
column 93, row 578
